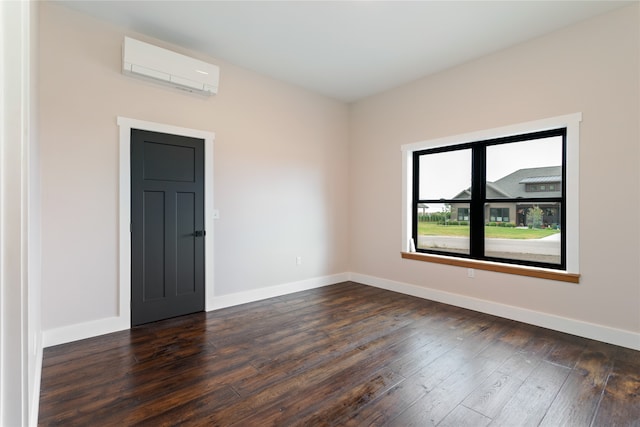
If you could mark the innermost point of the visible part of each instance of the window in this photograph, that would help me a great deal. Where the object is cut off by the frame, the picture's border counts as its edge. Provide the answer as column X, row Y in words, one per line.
column 489, row 181
column 499, row 214
column 541, row 187
column 506, row 195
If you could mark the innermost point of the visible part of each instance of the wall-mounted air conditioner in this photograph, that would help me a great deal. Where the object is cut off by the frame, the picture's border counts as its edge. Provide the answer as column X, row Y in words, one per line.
column 149, row 61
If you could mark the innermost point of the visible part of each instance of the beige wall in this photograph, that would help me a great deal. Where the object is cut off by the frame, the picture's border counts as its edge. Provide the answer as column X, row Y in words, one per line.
column 593, row 68
column 280, row 169
column 297, row 174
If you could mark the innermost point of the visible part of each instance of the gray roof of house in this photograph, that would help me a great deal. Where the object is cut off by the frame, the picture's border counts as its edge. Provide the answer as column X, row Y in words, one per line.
column 541, row 179
column 513, row 185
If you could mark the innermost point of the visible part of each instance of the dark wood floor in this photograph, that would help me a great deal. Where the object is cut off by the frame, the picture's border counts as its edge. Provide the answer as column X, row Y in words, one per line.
column 347, row 355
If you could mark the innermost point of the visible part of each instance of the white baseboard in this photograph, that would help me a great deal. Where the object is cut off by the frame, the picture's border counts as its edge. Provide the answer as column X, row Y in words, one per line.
column 80, row 331
column 94, row 328
column 218, row 302
column 571, row 326
column 34, row 399
column 562, row 324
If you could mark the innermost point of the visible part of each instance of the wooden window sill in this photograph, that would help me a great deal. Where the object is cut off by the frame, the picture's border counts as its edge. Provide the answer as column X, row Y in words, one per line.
column 541, row 273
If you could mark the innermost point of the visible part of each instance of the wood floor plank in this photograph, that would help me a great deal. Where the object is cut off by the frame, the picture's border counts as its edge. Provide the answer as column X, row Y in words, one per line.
column 579, row 396
column 285, row 396
column 464, row 417
column 520, row 365
column 388, row 406
column 439, row 402
column 425, row 369
column 114, row 404
column 567, row 350
column 491, row 396
column 189, row 412
column 320, row 351
column 347, row 355
column 541, row 343
column 327, row 403
column 530, row 403
column 619, row 403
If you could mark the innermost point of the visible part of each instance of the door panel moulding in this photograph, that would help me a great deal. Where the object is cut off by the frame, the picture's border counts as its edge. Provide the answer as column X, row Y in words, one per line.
column 167, row 204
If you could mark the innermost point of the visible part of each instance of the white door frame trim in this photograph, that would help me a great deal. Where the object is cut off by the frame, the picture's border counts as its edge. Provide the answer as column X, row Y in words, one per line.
column 124, row 223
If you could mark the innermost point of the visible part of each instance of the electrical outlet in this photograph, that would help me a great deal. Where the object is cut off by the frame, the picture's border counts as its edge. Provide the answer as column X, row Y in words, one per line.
column 298, row 260
column 471, row 273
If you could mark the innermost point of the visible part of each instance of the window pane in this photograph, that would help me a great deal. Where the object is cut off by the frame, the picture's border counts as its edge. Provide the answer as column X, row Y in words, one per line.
column 498, row 214
column 440, row 230
column 461, row 213
column 445, row 175
column 536, row 237
column 525, row 169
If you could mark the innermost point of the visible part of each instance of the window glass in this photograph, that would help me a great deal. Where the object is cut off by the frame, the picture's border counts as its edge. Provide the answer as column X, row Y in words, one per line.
column 463, row 214
column 445, row 175
column 440, row 231
column 499, row 214
column 535, row 236
column 519, row 169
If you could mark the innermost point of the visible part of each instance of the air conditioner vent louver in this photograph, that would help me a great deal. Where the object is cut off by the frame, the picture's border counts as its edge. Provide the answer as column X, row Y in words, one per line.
column 171, row 68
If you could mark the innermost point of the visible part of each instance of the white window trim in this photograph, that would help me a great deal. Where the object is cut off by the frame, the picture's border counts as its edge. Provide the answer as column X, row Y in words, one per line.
column 569, row 121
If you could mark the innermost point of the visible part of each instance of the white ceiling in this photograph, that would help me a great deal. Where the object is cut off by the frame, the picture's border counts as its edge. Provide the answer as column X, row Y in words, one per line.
column 345, row 49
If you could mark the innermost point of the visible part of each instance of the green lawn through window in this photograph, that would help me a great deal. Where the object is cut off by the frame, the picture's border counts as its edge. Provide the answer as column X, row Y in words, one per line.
column 434, row 229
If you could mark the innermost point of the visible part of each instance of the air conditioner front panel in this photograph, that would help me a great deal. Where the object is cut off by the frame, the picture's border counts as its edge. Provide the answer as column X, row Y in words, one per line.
column 144, row 71
column 181, row 81
column 169, row 67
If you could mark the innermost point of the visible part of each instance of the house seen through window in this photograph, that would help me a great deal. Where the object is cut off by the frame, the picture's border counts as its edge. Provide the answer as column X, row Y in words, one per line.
column 499, row 200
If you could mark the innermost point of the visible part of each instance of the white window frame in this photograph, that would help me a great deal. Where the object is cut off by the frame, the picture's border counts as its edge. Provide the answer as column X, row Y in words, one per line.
column 570, row 121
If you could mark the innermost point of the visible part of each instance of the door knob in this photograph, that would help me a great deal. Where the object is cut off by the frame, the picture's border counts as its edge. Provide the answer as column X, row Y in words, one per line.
column 199, row 233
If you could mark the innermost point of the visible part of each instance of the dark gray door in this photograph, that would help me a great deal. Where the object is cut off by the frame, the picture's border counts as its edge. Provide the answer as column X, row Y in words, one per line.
column 167, row 226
